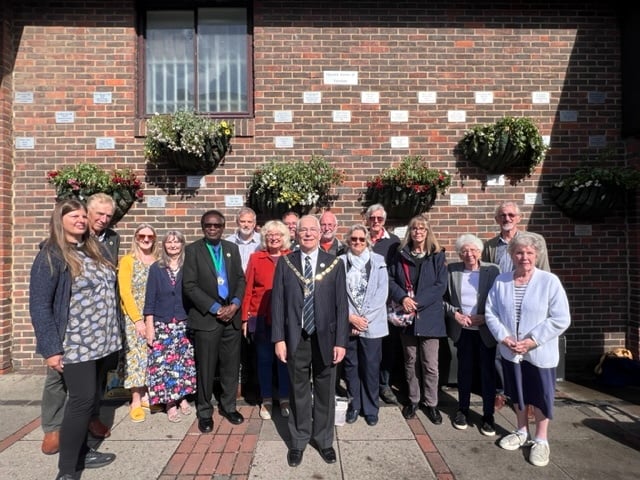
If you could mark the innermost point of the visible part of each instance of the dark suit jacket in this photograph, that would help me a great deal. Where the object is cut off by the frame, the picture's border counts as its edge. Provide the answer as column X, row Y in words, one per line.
column 111, row 241
column 452, row 297
column 331, row 306
column 200, row 286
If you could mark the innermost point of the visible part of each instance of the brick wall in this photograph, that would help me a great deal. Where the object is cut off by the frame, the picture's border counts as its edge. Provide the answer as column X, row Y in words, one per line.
column 511, row 49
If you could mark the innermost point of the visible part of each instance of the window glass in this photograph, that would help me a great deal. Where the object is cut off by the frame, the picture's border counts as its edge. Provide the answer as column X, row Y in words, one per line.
column 196, row 60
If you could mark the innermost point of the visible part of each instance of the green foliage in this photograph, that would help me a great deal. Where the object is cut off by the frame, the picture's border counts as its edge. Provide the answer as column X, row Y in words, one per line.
column 509, row 142
column 625, row 178
column 414, row 174
column 194, row 139
column 294, row 183
column 85, row 179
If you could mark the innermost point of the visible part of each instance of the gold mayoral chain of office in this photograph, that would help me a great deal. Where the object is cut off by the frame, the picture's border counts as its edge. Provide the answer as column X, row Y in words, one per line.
column 307, row 281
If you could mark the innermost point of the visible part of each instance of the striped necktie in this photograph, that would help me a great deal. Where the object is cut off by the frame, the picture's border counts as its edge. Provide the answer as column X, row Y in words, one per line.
column 308, row 322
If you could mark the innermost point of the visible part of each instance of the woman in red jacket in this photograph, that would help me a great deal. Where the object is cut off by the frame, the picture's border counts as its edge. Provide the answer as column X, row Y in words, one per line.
column 256, row 313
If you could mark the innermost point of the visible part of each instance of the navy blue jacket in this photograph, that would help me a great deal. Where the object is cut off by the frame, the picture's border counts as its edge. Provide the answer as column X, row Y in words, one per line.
column 163, row 300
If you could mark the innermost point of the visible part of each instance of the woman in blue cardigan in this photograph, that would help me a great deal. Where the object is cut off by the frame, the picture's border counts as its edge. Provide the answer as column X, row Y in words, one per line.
column 425, row 259
column 526, row 311
column 72, row 303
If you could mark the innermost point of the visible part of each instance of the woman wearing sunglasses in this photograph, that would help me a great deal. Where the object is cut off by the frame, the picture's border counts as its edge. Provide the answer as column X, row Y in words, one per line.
column 367, row 290
column 133, row 271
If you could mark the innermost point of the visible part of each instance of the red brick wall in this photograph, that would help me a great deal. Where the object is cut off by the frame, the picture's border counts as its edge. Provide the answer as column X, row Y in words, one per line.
column 454, row 48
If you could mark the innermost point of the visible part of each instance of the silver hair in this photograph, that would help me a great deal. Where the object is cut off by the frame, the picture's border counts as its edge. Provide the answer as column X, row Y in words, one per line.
column 468, row 239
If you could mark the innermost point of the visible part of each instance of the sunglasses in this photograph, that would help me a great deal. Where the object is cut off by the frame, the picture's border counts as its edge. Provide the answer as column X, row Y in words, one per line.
column 141, row 236
column 376, row 219
column 358, row 239
column 213, row 225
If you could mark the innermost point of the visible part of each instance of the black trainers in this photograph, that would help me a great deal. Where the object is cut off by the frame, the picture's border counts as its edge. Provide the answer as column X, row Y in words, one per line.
column 487, row 428
column 387, row 396
column 460, row 420
column 433, row 415
column 96, row 459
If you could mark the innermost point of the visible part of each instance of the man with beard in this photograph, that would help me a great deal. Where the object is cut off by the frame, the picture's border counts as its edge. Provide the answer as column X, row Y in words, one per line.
column 328, row 241
column 245, row 236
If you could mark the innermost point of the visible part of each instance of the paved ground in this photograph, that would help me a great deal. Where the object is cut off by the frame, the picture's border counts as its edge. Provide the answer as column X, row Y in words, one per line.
column 595, row 435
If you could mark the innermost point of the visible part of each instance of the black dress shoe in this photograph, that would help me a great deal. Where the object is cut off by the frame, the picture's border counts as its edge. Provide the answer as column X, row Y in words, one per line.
column 371, row 420
column 96, row 459
column 66, row 476
column 434, row 415
column 409, row 411
column 387, row 396
column 352, row 415
column 328, row 454
column 205, row 425
column 294, row 457
column 234, row 417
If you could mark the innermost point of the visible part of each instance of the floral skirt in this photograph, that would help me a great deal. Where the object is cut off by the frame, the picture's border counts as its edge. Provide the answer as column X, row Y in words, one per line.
column 172, row 367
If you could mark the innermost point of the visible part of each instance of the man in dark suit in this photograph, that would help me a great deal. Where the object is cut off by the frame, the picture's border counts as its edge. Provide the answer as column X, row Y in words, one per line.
column 213, row 283
column 310, row 330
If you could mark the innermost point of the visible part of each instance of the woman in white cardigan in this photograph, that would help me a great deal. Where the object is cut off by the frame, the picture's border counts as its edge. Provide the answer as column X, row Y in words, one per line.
column 526, row 311
column 367, row 289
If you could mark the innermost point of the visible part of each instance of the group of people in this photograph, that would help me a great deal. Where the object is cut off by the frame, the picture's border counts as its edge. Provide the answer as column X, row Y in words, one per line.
column 177, row 317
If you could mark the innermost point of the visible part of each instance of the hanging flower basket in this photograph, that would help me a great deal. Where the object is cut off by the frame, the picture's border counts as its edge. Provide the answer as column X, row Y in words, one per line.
column 299, row 186
column 592, row 193
column 509, row 144
column 83, row 180
column 190, row 142
column 407, row 190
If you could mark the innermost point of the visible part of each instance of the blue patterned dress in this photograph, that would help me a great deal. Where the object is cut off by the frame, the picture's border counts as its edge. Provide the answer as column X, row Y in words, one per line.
column 171, row 364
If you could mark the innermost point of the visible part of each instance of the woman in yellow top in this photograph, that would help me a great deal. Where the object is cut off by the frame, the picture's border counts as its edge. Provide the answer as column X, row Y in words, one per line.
column 133, row 271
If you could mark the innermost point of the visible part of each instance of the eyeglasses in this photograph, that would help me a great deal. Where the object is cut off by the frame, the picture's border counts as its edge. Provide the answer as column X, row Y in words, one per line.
column 469, row 251
column 327, row 225
column 214, row 225
column 358, row 239
column 418, row 229
column 509, row 215
column 309, row 230
column 141, row 236
column 273, row 235
column 374, row 218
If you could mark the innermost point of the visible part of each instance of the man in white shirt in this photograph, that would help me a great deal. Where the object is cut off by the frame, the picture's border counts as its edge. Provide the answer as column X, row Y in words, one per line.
column 245, row 236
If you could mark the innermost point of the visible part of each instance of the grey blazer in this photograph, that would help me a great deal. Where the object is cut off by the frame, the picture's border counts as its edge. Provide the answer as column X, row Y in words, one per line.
column 452, row 303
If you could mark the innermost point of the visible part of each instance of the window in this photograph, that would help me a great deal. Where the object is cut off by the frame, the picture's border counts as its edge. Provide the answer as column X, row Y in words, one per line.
column 197, row 59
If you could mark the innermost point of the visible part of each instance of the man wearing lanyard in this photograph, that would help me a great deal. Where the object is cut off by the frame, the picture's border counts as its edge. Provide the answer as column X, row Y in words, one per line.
column 213, row 282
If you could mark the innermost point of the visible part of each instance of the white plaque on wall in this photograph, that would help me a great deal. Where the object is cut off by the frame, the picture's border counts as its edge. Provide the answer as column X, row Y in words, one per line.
column 456, row 116
column 568, row 116
column 399, row 116
column 597, row 141
column 283, row 142
column 312, row 97
column 233, row 201
column 484, row 97
column 540, row 97
column 458, row 199
column 495, row 180
column 155, row 201
column 23, row 97
column 25, row 143
column 546, row 140
column 596, row 97
column 427, row 97
column 196, row 181
column 583, row 230
column 65, row 117
column 532, row 199
column 399, row 142
column 105, row 143
column 101, row 97
column 342, row 116
column 283, row 116
column 370, row 97
column 339, row 77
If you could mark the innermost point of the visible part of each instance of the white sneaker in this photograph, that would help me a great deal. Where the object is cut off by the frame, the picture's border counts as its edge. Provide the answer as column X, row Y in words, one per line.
column 539, row 455
column 514, row 441
column 265, row 411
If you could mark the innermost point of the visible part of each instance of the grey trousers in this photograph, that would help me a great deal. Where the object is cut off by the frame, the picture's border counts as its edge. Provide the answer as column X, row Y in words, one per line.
column 423, row 350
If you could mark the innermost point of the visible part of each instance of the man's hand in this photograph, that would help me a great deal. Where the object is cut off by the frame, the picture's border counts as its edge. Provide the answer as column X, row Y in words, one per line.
column 281, row 351
column 338, row 354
